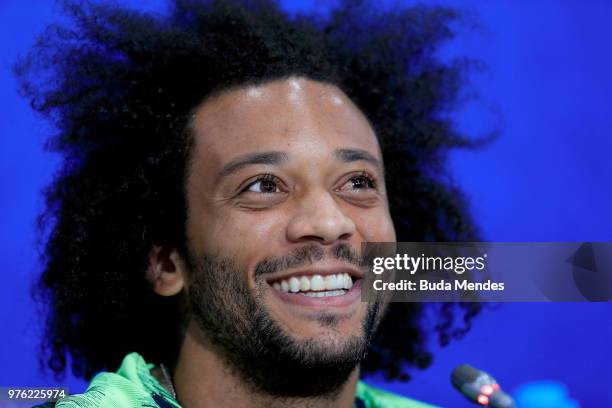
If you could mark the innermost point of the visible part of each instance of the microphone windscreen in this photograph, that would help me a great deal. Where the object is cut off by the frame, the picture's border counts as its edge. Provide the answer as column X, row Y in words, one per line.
column 463, row 374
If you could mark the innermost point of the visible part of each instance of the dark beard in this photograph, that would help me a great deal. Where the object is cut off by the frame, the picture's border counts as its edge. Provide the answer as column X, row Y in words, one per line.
column 254, row 346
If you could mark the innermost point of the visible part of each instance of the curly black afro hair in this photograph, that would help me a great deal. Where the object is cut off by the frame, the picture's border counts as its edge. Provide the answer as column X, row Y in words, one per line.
column 120, row 85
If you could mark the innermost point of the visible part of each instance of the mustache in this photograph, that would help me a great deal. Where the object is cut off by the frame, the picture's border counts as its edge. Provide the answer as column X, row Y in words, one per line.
column 308, row 255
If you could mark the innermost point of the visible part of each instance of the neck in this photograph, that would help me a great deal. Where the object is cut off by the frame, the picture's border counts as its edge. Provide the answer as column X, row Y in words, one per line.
column 202, row 380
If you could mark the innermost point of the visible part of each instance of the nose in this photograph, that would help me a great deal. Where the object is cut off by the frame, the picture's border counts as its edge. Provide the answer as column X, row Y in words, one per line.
column 318, row 217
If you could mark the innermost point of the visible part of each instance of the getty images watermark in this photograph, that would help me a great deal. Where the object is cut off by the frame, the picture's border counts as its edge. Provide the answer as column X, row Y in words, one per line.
column 488, row 271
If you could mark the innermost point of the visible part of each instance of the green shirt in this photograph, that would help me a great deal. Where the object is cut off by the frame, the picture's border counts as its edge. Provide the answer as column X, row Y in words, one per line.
column 133, row 385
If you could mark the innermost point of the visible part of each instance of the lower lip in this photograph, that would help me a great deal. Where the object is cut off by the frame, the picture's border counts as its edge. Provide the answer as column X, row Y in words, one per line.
column 348, row 298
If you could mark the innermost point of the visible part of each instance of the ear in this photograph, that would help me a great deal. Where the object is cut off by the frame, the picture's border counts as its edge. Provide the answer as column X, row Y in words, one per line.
column 167, row 271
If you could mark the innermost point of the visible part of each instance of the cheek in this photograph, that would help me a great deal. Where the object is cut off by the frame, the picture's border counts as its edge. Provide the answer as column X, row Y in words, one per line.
column 242, row 235
column 374, row 226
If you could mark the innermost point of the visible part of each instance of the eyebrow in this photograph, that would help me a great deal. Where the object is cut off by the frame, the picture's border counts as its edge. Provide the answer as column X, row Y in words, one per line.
column 352, row 155
column 240, row 162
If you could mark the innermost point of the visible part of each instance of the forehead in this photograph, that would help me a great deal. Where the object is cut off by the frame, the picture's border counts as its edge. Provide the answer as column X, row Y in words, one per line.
column 289, row 114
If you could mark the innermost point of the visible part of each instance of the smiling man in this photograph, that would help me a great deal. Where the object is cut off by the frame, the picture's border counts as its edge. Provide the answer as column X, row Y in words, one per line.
column 222, row 167
column 286, row 182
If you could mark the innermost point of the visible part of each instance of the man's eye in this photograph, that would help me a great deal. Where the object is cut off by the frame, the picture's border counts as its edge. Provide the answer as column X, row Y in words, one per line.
column 362, row 181
column 264, row 185
column 359, row 182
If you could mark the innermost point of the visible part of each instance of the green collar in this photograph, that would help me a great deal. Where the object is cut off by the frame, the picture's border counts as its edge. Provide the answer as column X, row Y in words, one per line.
column 133, row 385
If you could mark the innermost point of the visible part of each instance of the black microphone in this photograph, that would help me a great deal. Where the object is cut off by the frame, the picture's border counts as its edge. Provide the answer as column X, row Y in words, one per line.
column 480, row 387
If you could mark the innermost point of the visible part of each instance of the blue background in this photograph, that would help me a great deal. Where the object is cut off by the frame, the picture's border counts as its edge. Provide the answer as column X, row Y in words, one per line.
column 545, row 179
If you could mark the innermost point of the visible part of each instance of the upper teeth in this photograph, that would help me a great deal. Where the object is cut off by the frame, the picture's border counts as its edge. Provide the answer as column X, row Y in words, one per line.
column 314, row 282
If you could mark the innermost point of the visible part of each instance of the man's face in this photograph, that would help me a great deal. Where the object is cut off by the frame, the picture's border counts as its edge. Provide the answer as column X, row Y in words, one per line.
column 286, row 182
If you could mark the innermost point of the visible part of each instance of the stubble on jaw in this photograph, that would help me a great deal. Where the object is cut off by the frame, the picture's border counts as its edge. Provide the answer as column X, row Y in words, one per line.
column 234, row 323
